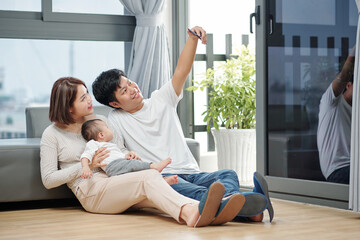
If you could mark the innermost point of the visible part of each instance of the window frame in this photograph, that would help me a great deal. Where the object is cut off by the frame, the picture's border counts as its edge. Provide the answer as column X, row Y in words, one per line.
column 180, row 19
column 65, row 26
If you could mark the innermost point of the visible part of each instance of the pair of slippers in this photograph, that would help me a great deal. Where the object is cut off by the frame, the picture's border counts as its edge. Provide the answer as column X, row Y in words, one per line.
column 214, row 210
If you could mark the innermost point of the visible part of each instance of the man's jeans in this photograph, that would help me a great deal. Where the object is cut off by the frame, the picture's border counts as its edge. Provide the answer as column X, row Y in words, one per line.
column 341, row 175
column 195, row 185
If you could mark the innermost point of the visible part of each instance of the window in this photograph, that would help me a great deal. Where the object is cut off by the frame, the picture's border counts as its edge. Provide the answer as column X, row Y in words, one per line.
column 89, row 6
column 21, row 5
column 37, row 50
column 219, row 20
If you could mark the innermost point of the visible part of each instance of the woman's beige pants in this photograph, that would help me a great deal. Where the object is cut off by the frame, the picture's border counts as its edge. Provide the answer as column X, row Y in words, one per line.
column 103, row 194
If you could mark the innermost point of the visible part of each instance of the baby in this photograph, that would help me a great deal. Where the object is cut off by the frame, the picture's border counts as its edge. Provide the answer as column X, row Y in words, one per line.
column 98, row 135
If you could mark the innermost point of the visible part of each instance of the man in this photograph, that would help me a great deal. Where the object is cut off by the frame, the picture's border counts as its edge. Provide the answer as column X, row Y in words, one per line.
column 334, row 129
column 152, row 127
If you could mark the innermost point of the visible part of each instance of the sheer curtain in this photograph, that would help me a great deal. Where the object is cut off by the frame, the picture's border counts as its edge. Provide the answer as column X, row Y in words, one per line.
column 354, row 191
column 149, row 60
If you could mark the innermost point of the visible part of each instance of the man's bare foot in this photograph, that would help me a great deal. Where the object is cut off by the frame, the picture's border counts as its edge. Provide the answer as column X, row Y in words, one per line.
column 172, row 179
column 257, row 218
column 190, row 214
column 160, row 165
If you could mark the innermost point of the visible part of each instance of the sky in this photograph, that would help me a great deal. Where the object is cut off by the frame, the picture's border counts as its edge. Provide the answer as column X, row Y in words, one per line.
column 231, row 16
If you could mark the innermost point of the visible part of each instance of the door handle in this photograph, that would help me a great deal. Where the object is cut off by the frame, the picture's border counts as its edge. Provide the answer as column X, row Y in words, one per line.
column 256, row 14
column 271, row 24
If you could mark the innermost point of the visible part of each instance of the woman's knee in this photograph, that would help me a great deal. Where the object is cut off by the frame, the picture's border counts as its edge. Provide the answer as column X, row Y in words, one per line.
column 151, row 174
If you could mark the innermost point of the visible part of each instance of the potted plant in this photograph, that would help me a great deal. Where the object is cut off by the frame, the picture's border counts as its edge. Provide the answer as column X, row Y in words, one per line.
column 231, row 87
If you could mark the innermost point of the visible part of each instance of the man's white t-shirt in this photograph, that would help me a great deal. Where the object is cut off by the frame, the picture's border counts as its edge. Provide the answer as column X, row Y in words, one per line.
column 154, row 132
column 334, row 131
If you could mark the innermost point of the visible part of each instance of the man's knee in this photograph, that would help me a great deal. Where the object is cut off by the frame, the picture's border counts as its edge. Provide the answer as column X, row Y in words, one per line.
column 228, row 172
column 190, row 190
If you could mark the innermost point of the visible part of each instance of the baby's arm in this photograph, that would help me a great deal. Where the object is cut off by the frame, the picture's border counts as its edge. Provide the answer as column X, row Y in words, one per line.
column 86, row 158
column 86, row 171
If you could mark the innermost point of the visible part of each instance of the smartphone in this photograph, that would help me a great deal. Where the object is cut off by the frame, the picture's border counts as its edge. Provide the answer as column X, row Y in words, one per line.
column 194, row 33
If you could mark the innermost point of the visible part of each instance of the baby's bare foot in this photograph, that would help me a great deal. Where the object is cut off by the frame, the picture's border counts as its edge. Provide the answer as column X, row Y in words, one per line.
column 172, row 179
column 160, row 165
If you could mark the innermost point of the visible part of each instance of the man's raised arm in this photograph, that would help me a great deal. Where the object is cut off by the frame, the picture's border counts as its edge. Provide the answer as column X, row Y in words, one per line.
column 339, row 83
column 187, row 58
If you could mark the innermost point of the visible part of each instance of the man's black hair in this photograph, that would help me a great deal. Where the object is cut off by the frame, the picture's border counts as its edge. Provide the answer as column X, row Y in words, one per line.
column 105, row 85
column 351, row 80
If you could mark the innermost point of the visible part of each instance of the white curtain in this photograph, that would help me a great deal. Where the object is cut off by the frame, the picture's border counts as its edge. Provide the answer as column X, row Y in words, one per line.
column 150, row 60
column 354, row 191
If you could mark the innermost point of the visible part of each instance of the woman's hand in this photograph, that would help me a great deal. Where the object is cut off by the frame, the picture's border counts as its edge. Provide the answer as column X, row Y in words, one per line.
column 99, row 156
column 132, row 155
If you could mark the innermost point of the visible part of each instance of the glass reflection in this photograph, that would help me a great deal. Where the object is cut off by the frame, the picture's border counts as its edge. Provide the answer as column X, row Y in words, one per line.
column 334, row 128
column 305, row 54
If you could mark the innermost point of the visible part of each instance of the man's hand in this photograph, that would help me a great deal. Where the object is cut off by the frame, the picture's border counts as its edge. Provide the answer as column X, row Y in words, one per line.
column 187, row 58
column 200, row 32
column 132, row 155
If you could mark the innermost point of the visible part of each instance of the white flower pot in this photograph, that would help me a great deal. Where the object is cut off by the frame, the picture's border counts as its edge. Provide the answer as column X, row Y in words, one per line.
column 236, row 149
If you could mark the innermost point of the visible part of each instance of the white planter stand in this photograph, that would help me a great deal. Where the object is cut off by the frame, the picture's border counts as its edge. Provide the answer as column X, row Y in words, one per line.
column 236, row 149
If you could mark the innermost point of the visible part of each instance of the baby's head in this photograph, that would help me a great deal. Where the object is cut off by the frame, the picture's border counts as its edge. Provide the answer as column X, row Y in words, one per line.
column 97, row 130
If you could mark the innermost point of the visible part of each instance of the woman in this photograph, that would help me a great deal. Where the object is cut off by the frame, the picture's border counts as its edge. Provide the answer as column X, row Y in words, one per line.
column 62, row 146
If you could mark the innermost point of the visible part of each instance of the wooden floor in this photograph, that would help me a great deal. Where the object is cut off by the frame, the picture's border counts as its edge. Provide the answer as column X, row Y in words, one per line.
column 292, row 221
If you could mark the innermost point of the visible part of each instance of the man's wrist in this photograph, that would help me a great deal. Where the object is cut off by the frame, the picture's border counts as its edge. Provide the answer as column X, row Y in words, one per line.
column 344, row 76
column 193, row 38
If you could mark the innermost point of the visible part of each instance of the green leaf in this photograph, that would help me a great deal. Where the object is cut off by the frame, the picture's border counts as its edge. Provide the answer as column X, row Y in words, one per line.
column 232, row 91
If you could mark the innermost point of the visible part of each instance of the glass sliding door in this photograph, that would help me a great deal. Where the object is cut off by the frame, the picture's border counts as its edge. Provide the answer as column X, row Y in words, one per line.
column 302, row 45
